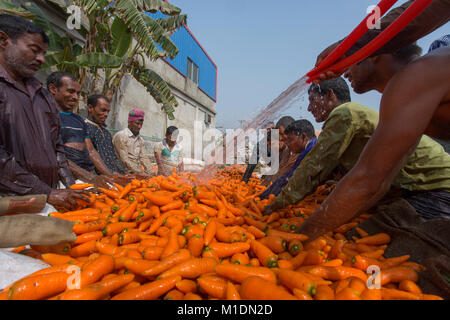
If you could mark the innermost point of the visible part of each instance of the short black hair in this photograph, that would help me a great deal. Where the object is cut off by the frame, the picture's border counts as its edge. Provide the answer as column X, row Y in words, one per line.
column 284, row 121
column 408, row 53
column 301, row 126
column 171, row 130
column 15, row 27
column 57, row 76
column 338, row 85
column 93, row 99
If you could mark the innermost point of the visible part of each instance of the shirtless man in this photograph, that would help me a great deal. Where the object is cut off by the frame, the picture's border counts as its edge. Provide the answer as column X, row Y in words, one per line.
column 416, row 101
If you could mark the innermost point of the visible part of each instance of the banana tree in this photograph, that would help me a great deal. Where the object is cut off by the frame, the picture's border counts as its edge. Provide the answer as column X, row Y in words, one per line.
column 119, row 36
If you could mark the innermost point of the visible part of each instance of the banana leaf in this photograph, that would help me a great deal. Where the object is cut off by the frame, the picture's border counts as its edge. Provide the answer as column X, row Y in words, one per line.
column 98, row 60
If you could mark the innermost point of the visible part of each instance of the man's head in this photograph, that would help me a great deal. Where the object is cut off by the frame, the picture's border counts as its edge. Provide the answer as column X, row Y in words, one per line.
column 22, row 46
column 98, row 108
column 281, row 125
column 298, row 134
column 135, row 121
column 172, row 135
column 65, row 88
column 326, row 96
column 374, row 73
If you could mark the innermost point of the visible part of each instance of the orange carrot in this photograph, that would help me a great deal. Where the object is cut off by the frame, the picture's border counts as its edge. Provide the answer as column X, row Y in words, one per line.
column 39, row 286
column 172, row 244
column 95, row 235
column 256, row 288
column 149, row 291
column 139, row 266
column 186, row 286
column 266, row 256
column 232, row 293
column 57, row 259
column 195, row 245
column 324, row 292
column 398, row 274
column 210, row 232
column 224, row 250
column 213, row 286
column 84, row 249
column 96, row 269
column 191, row 268
column 128, row 212
column 238, row 273
column 167, row 263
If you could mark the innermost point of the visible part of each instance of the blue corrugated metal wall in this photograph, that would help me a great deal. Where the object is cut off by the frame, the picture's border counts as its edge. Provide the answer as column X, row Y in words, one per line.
column 189, row 47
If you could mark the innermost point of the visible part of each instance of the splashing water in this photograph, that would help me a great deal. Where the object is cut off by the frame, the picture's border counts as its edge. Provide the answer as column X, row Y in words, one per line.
column 286, row 100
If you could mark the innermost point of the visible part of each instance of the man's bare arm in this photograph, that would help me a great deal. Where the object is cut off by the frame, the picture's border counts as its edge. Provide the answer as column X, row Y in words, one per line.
column 161, row 168
column 96, row 158
column 403, row 120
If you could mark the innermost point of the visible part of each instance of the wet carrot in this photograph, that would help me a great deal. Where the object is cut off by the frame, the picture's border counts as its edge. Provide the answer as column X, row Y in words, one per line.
column 266, row 256
column 177, row 204
column 347, row 294
column 398, row 274
column 210, row 232
column 174, row 294
column 240, row 258
column 324, row 292
column 336, row 273
column 238, row 273
column 292, row 279
column 128, row 212
column 125, row 190
column 192, row 296
column 232, row 293
column 149, row 291
column 81, row 186
column 57, row 259
column 301, row 295
column 170, row 261
column 191, row 268
column 39, row 286
column 139, row 266
column 95, row 235
column 96, row 269
column 186, row 286
column 171, row 246
column 195, row 245
column 256, row 288
column 393, row 294
column 256, row 232
column 98, row 290
column 409, row 286
column 276, row 244
column 83, row 249
column 214, row 286
column 224, row 250
column 117, row 227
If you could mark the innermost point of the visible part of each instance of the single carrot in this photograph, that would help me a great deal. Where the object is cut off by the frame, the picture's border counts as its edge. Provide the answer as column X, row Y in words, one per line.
column 212, row 285
column 232, row 293
column 371, row 294
column 81, row 228
column 139, row 266
column 98, row 290
column 172, row 244
column 96, row 269
column 397, row 274
column 266, row 256
column 85, row 237
column 81, row 186
column 149, row 291
column 167, row 263
column 192, row 296
column 238, row 273
column 83, row 249
column 256, row 232
column 301, row 295
column 210, row 232
column 195, row 245
column 152, row 253
column 240, row 258
column 186, row 286
column 293, row 279
column 324, row 292
column 256, row 288
column 39, row 286
column 336, row 273
column 347, row 294
column 394, row 294
column 174, row 294
column 126, row 214
column 377, row 239
column 117, row 227
column 394, row 262
column 129, row 237
column 109, row 249
column 224, row 250
column 409, row 286
column 286, row 236
column 276, row 244
column 125, row 191
column 57, row 259
column 191, row 268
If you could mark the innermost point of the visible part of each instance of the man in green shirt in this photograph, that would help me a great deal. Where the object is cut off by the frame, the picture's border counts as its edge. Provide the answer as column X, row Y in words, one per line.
column 347, row 128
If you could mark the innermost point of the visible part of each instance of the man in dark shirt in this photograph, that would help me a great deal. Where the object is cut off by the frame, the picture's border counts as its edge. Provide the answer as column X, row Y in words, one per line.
column 99, row 107
column 83, row 159
column 32, row 159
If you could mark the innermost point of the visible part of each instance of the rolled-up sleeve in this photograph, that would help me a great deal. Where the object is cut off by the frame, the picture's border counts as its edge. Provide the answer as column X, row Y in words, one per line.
column 333, row 141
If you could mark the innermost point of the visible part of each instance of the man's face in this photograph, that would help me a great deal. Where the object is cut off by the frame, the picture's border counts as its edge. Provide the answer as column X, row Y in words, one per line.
column 135, row 126
column 362, row 76
column 319, row 106
column 25, row 55
column 296, row 144
column 67, row 95
column 282, row 137
column 100, row 112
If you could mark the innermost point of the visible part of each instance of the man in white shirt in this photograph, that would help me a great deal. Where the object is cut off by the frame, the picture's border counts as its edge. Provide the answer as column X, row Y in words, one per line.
column 169, row 154
column 130, row 145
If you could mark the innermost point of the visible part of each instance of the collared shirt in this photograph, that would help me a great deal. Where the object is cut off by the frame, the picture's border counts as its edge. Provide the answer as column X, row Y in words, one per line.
column 341, row 142
column 32, row 159
column 101, row 139
column 170, row 159
column 132, row 152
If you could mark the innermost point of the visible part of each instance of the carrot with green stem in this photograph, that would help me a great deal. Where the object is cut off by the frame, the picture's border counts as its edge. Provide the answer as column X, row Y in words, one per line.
column 293, row 279
column 117, row 227
column 127, row 213
column 266, row 256
column 276, row 244
column 39, row 286
column 83, row 249
column 152, row 253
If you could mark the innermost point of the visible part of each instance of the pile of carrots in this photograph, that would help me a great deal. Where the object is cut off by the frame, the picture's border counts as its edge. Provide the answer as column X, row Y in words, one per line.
column 173, row 239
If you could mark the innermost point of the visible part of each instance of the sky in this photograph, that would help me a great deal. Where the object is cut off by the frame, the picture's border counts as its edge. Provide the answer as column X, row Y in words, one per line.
column 261, row 47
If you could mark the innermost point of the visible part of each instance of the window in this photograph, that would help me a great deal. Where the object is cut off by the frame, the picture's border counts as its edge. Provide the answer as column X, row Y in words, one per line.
column 192, row 71
column 208, row 119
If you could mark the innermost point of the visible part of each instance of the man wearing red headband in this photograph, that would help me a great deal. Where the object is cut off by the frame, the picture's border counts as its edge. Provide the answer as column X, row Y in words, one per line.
column 130, row 146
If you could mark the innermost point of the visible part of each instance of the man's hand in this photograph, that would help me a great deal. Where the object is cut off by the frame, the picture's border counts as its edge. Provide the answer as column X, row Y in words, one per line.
column 268, row 210
column 67, row 198
column 103, row 181
column 329, row 74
